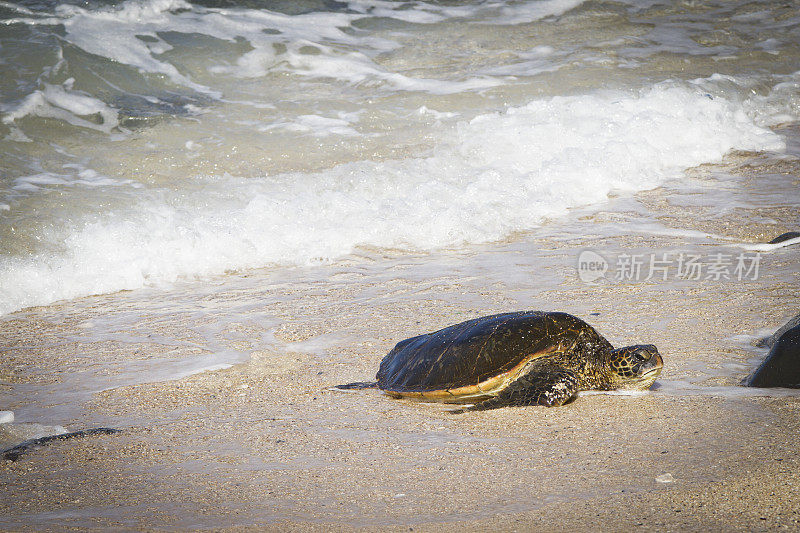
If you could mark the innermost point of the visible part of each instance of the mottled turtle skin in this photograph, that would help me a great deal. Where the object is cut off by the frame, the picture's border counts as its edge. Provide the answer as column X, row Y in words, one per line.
column 523, row 358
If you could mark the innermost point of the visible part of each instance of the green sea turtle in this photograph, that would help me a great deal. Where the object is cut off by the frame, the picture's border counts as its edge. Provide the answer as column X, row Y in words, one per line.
column 523, row 358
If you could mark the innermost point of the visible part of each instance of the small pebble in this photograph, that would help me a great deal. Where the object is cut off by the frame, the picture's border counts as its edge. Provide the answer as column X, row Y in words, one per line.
column 665, row 478
column 6, row 417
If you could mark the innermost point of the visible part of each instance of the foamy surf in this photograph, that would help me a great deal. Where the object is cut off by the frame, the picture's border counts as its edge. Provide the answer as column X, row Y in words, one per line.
column 501, row 173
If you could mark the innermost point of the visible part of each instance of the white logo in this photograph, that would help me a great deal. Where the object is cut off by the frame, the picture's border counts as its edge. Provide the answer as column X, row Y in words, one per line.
column 591, row 266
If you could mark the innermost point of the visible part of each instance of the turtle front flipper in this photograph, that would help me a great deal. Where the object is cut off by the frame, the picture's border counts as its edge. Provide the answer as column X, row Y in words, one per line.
column 550, row 387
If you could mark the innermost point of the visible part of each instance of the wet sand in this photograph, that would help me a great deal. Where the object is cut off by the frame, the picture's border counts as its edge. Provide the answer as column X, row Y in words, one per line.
column 262, row 445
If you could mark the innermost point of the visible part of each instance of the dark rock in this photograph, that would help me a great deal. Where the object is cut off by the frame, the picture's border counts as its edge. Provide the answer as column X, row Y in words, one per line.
column 12, row 454
column 781, row 368
column 785, row 237
column 769, row 342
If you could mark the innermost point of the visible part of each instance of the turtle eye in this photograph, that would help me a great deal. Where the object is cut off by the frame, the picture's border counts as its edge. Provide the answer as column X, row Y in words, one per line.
column 641, row 354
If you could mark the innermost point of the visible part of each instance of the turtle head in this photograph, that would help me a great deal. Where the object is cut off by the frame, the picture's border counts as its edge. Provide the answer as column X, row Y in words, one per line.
column 635, row 367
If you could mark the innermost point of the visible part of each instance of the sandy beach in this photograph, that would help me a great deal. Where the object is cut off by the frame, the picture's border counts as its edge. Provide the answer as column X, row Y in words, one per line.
column 264, row 445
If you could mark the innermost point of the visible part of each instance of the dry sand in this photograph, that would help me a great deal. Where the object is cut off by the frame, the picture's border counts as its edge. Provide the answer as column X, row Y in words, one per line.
column 263, row 445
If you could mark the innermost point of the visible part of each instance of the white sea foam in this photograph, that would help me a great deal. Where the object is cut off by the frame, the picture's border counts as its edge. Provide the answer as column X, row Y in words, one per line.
column 129, row 34
column 117, row 34
column 357, row 68
column 319, row 126
column 438, row 115
column 310, row 44
column 83, row 177
column 489, row 12
column 498, row 173
column 61, row 102
column 525, row 12
column 422, row 13
column 19, row 9
column 535, row 61
column 781, row 104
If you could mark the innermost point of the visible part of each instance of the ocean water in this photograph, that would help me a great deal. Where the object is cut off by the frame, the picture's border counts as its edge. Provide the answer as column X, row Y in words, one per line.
column 146, row 142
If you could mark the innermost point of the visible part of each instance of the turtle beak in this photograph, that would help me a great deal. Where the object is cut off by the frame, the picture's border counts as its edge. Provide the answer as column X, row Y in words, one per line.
column 652, row 367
